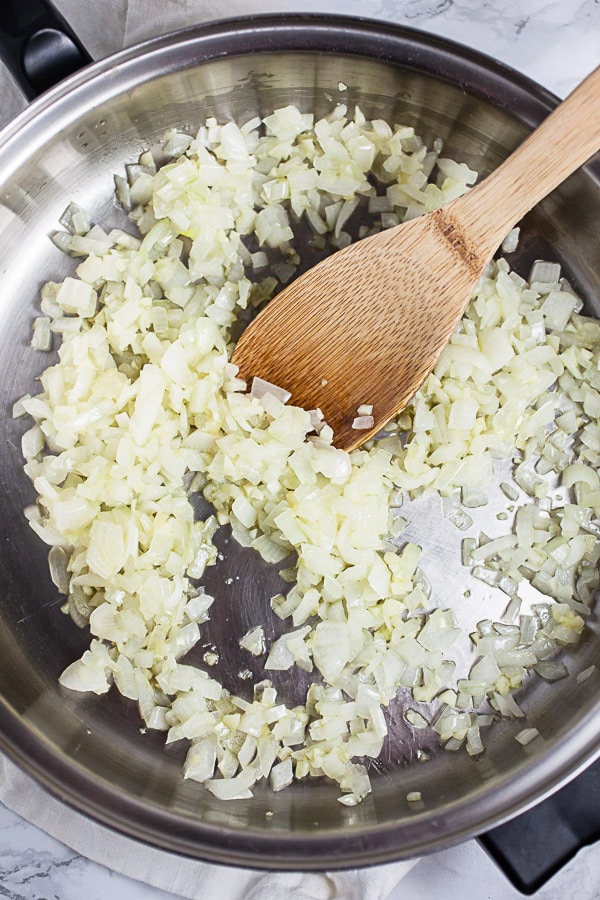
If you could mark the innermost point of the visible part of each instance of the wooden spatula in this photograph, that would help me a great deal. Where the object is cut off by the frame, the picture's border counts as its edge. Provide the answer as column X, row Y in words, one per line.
column 367, row 324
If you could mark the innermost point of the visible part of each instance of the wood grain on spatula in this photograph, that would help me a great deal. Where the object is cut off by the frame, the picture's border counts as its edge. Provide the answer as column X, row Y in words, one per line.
column 367, row 324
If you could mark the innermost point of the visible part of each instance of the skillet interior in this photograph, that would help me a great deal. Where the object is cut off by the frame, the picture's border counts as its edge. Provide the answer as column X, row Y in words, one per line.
column 88, row 750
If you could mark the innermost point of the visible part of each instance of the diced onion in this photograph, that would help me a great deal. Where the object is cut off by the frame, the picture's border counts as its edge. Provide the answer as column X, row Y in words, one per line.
column 260, row 387
column 527, row 735
column 144, row 407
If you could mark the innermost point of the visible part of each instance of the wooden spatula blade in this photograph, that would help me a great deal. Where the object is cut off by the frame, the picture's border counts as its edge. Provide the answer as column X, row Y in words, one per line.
column 366, row 334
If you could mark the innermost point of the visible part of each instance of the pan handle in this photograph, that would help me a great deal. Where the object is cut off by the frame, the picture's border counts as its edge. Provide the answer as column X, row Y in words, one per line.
column 37, row 45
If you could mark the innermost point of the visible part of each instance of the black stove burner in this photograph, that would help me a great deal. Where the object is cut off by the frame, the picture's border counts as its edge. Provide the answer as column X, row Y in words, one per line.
column 531, row 848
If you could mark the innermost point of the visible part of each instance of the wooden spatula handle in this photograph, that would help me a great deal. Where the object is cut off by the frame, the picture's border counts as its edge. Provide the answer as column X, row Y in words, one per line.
column 563, row 142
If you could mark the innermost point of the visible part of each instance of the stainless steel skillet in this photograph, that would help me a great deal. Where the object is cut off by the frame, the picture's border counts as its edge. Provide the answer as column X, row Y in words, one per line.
column 89, row 751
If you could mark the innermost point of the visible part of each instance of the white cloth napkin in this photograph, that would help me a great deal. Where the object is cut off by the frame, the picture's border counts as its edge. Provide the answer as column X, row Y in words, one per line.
column 185, row 877
column 114, row 24
column 147, row 18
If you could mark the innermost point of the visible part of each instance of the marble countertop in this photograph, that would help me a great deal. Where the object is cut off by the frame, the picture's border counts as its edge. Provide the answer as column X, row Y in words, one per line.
column 555, row 42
